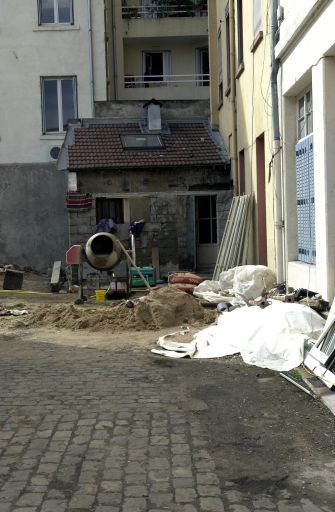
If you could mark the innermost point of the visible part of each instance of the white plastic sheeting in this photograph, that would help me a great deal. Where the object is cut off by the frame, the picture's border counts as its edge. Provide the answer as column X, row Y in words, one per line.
column 237, row 285
column 272, row 338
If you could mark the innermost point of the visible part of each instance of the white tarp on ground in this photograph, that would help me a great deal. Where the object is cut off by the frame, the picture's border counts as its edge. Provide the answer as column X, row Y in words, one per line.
column 273, row 337
column 237, row 285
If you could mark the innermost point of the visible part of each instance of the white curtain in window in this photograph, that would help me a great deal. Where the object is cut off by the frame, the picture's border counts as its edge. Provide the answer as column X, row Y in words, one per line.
column 219, row 57
column 167, row 66
column 257, row 15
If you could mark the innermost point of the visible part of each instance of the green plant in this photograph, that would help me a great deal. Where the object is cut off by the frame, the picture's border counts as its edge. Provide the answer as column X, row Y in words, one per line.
column 296, row 374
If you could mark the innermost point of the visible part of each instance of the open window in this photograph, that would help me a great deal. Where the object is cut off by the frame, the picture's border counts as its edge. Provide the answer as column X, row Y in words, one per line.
column 156, row 67
column 202, row 66
column 107, row 208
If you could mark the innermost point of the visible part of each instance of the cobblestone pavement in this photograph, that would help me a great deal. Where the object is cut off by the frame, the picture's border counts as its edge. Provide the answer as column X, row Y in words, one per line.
column 112, row 430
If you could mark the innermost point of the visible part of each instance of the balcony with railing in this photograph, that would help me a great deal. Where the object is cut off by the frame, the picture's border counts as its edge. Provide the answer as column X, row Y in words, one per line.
column 199, row 80
column 164, row 19
column 191, row 86
column 158, row 9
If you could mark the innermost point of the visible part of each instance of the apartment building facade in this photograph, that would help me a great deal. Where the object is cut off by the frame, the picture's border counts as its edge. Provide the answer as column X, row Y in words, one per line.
column 240, row 56
column 101, row 60
column 52, row 63
column 306, row 52
column 157, row 49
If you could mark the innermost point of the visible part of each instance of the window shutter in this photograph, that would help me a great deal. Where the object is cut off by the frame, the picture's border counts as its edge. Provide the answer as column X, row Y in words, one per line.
column 305, row 200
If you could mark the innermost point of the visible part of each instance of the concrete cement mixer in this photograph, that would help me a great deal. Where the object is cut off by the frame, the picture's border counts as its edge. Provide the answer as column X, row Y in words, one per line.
column 103, row 251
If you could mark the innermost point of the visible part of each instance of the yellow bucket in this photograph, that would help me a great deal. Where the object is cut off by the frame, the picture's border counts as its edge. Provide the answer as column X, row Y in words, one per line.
column 100, row 295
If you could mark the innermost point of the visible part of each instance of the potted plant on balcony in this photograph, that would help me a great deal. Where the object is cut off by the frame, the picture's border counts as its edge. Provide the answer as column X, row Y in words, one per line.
column 201, row 7
column 174, row 8
column 129, row 11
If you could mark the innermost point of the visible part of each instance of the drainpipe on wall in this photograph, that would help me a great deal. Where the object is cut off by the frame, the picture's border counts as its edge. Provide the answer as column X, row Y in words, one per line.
column 114, row 67
column 276, row 151
column 233, row 152
column 90, row 54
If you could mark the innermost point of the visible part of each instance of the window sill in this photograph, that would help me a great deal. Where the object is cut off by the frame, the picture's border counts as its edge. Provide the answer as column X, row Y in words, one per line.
column 257, row 41
column 227, row 92
column 53, row 136
column 240, row 70
column 55, row 28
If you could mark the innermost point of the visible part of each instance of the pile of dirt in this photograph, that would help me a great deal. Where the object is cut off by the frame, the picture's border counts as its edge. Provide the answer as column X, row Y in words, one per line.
column 168, row 307
column 162, row 307
column 69, row 316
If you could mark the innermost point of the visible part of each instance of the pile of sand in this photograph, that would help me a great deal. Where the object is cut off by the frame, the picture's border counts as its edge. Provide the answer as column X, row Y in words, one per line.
column 168, row 307
column 162, row 307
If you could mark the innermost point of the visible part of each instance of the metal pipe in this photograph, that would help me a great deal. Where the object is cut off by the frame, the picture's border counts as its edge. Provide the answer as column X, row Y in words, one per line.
column 292, row 381
column 233, row 154
column 132, row 263
column 276, row 151
column 90, row 54
column 114, row 66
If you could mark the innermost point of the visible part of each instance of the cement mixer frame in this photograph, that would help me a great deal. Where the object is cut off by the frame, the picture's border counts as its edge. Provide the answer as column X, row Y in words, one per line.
column 102, row 251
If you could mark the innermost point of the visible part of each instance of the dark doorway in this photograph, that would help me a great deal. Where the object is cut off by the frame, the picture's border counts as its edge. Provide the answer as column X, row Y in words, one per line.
column 154, row 62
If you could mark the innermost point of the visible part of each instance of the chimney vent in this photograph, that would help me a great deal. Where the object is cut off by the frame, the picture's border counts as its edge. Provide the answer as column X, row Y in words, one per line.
column 154, row 115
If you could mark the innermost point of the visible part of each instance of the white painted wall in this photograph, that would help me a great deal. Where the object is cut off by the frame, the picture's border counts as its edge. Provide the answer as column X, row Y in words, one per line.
column 29, row 51
column 324, row 163
column 295, row 15
column 308, row 60
column 317, row 41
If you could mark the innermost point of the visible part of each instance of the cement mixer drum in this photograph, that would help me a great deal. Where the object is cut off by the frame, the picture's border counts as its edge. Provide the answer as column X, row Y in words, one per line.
column 103, row 251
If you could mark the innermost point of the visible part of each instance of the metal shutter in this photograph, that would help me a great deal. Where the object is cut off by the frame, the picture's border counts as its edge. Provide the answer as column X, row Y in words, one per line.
column 305, row 200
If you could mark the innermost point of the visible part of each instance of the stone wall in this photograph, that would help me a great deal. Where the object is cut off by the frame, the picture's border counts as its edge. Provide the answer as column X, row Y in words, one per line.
column 33, row 218
column 172, row 110
column 165, row 200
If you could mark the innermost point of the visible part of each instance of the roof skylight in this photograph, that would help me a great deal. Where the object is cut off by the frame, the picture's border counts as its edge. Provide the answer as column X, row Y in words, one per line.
column 142, row 141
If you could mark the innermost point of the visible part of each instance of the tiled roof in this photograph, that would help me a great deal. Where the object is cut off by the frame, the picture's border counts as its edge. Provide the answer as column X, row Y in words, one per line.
column 99, row 147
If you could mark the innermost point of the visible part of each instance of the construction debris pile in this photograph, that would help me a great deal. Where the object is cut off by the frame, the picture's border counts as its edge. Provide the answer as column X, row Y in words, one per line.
column 237, row 285
column 12, row 312
column 254, row 285
column 273, row 335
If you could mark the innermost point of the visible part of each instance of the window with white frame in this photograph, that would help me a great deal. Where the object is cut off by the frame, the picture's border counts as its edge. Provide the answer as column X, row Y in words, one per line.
column 305, row 115
column 59, row 103
column 54, row 12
